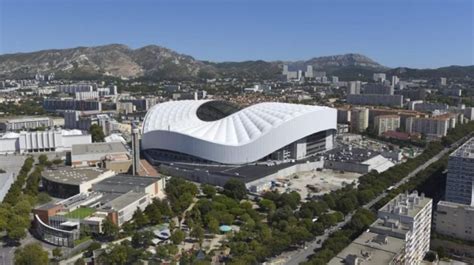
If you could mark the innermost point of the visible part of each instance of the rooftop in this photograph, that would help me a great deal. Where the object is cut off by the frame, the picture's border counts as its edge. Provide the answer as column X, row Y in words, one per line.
column 406, row 204
column 466, row 150
column 72, row 176
column 371, row 248
column 98, row 148
column 123, row 183
column 123, row 200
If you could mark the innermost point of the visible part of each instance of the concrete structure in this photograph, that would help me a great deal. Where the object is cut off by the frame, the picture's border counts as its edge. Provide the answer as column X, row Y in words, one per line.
column 66, row 182
column 75, row 88
column 395, row 81
column 135, row 151
column 353, row 87
column 427, row 106
column 219, row 132
column 376, row 99
column 469, row 113
column 42, row 141
column 460, row 180
column 359, row 119
column 92, row 154
column 385, row 123
column 432, row 128
column 25, row 123
column 379, row 77
column 343, row 115
column 400, row 235
column 443, row 81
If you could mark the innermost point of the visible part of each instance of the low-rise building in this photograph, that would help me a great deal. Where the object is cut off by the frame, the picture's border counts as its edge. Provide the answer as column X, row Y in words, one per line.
column 93, row 154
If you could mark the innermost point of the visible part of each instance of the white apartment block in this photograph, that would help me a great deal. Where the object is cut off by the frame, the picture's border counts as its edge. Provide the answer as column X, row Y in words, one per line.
column 432, row 128
column 413, row 213
column 25, row 123
column 383, row 123
column 400, row 235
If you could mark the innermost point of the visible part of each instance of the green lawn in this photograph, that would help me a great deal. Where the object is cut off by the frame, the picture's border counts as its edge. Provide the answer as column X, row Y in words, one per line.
column 80, row 213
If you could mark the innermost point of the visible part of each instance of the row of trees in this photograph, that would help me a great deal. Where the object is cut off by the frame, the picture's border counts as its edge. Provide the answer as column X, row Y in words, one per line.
column 374, row 183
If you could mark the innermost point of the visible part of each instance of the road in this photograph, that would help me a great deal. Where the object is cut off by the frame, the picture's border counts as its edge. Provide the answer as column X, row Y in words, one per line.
column 301, row 255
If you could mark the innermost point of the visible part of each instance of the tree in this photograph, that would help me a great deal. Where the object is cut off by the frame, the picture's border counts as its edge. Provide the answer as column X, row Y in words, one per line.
column 110, row 229
column 140, row 219
column 57, row 253
column 177, row 237
column 197, row 233
column 42, row 159
column 97, row 133
column 142, row 239
column 235, row 189
column 208, row 190
column 267, row 205
column 213, row 225
column 31, row 254
column 80, row 261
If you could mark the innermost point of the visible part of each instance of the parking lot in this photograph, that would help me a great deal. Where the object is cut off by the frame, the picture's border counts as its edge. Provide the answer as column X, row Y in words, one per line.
column 314, row 183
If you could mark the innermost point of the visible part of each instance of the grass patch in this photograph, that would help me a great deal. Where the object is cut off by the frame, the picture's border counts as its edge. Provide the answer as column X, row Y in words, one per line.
column 80, row 213
column 81, row 240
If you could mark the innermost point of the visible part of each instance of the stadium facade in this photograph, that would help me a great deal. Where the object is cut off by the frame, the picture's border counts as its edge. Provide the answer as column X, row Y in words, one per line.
column 219, row 132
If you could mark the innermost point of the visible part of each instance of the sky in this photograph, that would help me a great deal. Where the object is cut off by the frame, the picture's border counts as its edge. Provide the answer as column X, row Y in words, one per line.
column 410, row 33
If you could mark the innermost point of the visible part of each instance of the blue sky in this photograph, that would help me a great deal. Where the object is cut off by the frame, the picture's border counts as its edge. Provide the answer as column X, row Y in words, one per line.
column 416, row 33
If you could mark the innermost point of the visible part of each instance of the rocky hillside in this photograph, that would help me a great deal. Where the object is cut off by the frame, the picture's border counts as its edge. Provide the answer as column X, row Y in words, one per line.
column 159, row 63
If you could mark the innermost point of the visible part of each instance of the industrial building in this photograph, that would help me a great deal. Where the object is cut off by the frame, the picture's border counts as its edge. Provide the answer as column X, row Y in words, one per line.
column 42, row 141
column 111, row 155
column 351, row 159
column 219, row 132
column 66, row 182
column 115, row 198
column 400, row 235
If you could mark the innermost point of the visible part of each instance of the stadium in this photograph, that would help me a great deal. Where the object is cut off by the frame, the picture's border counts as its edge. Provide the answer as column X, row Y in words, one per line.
column 212, row 133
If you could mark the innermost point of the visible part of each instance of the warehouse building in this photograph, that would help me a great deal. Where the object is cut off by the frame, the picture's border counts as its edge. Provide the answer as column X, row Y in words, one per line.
column 112, row 155
column 42, row 141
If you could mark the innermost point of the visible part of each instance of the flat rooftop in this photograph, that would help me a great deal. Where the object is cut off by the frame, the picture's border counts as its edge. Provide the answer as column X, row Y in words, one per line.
column 370, row 248
column 406, row 204
column 123, row 200
column 466, row 150
column 123, row 183
column 72, row 176
column 349, row 154
column 98, row 148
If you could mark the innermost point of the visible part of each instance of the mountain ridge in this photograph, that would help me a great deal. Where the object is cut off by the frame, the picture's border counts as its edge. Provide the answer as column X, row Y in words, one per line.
column 157, row 62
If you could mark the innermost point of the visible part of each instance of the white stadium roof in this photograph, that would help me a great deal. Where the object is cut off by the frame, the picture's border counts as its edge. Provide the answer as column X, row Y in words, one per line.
column 177, row 121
